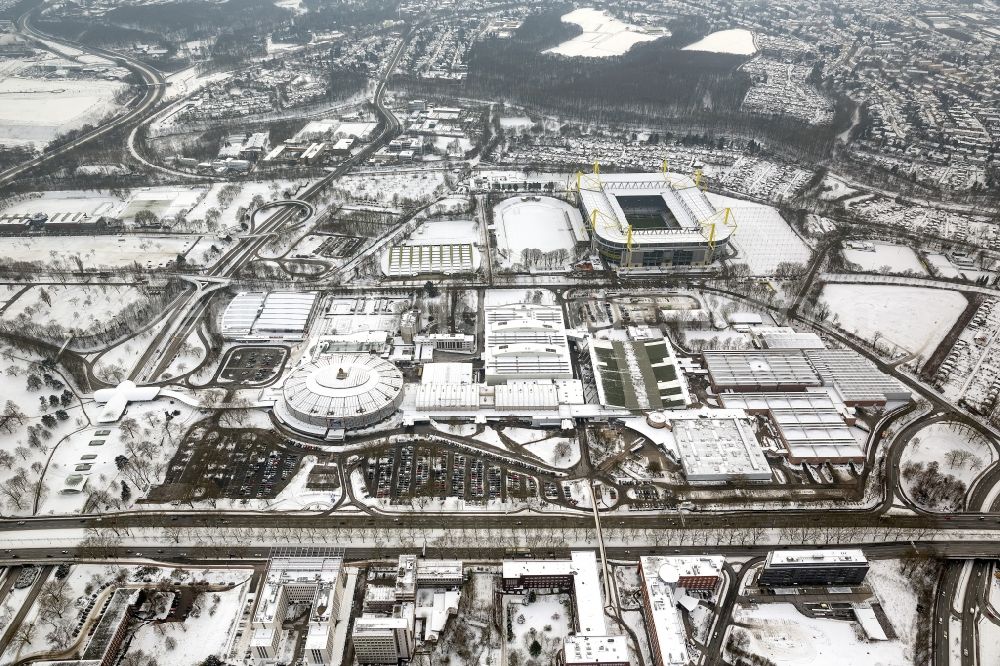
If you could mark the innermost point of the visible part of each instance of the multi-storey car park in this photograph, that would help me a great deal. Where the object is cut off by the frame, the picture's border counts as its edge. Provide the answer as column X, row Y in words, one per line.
column 649, row 220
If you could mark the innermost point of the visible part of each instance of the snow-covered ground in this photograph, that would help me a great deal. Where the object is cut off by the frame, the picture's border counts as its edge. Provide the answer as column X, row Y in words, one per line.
column 227, row 199
column 88, row 202
column 194, row 639
column 190, row 354
column 764, row 239
column 28, row 442
column 898, row 258
column 834, row 188
column 515, row 122
column 603, row 35
column 989, row 641
column 491, row 437
column 115, row 364
column 942, row 266
column 895, row 591
column 152, row 444
column 435, row 232
column 737, row 41
column 188, row 80
column 392, row 188
column 95, row 252
column 780, row 633
column 547, row 620
column 85, row 308
column 546, row 224
column 526, row 435
column 36, row 110
column 83, row 584
column 932, row 444
column 914, row 319
column 557, row 451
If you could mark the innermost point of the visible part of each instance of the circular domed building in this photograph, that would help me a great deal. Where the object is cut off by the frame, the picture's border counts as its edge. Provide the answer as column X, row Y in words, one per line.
column 340, row 391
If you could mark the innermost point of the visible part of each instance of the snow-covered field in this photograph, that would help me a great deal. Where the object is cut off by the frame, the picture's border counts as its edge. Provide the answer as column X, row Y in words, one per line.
column 88, row 202
column 898, row 258
column 546, row 224
column 896, row 594
column 194, row 639
column 515, row 122
column 85, row 308
column 943, row 266
column 435, row 232
column 764, row 239
column 149, row 251
column 37, row 110
column 914, row 319
column 933, row 442
column 780, row 633
column 547, row 620
column 603, row 35
column 737, row 41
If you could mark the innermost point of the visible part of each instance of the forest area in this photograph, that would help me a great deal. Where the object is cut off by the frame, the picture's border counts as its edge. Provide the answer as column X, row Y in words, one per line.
column 693, row 92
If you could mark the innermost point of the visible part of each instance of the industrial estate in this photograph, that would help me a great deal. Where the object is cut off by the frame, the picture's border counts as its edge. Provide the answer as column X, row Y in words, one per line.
column 499, row 333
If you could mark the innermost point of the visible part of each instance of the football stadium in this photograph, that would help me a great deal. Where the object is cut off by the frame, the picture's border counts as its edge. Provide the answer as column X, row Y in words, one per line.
column 653, row 220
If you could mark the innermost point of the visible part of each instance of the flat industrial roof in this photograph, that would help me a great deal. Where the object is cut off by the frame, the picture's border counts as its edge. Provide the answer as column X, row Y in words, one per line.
column 804, row 557
column 855, row 378
column 711, row 449
column 525, row 340
column 765, row 368
column 260, row 313
column 595, row 649
column 810, row 423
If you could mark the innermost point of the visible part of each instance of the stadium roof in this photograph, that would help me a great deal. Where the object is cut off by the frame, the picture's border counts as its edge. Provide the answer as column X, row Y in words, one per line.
column 686, row 203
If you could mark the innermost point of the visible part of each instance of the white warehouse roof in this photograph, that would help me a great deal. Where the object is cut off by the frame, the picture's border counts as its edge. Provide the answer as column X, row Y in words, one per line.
column 524, row 340
column 259, row 314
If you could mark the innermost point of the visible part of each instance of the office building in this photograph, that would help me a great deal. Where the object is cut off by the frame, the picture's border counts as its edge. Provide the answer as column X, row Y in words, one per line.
column 789, row 568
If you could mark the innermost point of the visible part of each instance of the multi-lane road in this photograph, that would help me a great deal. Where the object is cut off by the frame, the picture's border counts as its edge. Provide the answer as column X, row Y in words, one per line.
column 971, row 592
column 153, row 85
column 190, row 313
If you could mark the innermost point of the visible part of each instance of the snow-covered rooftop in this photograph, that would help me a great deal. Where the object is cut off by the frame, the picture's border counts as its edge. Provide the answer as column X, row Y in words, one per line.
column 595, row 650
column 824, row 557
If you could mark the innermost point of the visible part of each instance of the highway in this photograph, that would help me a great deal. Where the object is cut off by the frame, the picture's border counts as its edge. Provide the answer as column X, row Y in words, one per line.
column 152, row 93
column 190, row 313
column 882, row 534
column 965, row 586
column 22, row 612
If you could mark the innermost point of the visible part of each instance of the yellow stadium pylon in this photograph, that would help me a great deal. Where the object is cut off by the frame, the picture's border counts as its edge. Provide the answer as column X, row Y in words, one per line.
column 709, row 229
column 589, row 181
